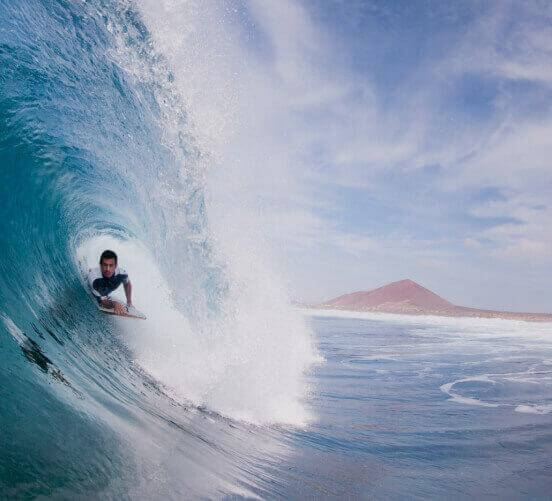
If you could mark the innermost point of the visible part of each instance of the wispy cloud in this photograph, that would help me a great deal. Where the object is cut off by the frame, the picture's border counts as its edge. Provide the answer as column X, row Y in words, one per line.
column 379, row 143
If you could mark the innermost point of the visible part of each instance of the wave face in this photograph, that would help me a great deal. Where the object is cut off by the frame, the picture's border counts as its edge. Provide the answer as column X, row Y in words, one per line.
column 101, row 146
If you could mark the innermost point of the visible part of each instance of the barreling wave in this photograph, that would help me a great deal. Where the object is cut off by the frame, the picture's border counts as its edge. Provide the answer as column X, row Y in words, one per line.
column 98, row 149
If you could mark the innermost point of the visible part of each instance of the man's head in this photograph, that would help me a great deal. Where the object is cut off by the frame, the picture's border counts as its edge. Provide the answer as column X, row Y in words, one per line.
column 108, row 263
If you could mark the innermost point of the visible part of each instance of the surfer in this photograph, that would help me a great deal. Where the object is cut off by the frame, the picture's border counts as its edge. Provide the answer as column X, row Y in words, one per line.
column 105, row 279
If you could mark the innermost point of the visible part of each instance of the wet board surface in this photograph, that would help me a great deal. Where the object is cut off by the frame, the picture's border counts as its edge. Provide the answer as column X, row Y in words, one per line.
column 131, row 312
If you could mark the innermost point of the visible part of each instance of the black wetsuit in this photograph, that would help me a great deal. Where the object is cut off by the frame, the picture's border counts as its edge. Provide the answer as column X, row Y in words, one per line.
column 101, row 287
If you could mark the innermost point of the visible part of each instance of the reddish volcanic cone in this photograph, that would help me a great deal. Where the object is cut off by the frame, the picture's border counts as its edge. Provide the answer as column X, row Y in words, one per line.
column 408, row 297
column 403, row 296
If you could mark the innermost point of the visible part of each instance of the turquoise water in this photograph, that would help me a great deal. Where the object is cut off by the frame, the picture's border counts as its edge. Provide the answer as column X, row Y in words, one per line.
column 226, row 391
column 96, row 151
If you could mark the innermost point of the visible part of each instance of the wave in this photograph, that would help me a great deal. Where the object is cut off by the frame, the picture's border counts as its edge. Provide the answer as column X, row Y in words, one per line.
column 100, row 147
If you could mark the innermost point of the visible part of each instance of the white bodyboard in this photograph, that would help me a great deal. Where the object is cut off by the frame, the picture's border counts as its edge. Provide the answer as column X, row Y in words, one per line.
column 131, row 312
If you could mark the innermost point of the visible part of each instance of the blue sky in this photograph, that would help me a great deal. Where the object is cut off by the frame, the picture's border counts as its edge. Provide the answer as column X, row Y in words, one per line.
column 372, row 141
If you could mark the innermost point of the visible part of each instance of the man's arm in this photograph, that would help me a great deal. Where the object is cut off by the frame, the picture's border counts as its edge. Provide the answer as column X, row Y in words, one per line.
column 128, row 292
column 101, row 299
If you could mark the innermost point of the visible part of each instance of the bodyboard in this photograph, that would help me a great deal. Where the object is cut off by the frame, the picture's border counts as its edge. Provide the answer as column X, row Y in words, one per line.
column 131, row 312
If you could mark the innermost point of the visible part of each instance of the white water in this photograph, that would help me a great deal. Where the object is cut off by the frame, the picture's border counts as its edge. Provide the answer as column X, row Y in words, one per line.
column 250, row 363
column 250, row 359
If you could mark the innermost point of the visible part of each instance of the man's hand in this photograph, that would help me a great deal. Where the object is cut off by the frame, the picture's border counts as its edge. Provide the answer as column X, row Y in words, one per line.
column 119, row 308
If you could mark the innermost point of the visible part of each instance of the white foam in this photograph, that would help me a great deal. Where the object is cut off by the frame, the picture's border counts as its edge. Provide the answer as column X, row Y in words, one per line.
column 455, row 397
column 15, row 331
column 249, row 360
column 249, row 363
column 456, row 327
column 471, row 401
column 534, row 409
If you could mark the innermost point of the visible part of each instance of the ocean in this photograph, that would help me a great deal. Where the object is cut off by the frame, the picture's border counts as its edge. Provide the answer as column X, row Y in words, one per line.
column 433, row 408
column 226, row 391
column 402, row 408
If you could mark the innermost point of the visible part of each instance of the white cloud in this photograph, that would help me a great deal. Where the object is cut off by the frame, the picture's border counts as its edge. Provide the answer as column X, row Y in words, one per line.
column 290, row 126
column 507, row 150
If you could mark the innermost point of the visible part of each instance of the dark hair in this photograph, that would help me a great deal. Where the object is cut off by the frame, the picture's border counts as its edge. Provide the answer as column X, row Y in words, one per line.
column 108, row 254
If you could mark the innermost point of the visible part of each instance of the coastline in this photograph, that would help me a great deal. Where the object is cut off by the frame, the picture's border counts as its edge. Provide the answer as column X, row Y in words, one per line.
column 468, row 313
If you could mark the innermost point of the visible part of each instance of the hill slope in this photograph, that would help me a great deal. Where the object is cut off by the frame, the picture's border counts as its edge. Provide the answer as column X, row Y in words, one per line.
column 408, row 297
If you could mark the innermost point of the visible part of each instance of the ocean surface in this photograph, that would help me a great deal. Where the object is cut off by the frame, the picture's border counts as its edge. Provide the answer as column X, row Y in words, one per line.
column 402, row 408
column 432, row 408
column 114, row 122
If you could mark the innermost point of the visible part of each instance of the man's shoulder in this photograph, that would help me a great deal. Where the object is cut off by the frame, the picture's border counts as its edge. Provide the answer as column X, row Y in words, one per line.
column 94, row 273
column 121, row 271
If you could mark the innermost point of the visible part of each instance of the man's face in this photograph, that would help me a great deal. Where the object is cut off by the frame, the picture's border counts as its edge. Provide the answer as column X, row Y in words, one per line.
column 108, row 266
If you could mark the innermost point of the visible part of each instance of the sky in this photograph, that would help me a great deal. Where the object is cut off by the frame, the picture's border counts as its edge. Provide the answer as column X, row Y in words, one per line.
column 380, row 140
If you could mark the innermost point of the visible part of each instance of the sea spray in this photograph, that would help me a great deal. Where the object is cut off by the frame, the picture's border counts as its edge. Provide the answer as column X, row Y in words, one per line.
column 221, row 332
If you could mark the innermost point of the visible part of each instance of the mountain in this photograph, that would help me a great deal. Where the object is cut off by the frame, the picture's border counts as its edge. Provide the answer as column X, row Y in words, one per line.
column 408, row 297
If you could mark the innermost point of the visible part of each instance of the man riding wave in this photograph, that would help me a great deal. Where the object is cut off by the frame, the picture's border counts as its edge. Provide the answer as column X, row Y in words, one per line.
column 108, row 277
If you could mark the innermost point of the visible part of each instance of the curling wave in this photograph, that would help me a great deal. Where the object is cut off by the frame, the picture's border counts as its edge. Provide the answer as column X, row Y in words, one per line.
column 99, row 148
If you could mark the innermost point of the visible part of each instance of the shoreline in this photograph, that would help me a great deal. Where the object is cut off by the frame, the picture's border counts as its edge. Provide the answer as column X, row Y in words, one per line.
column 470, row 313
